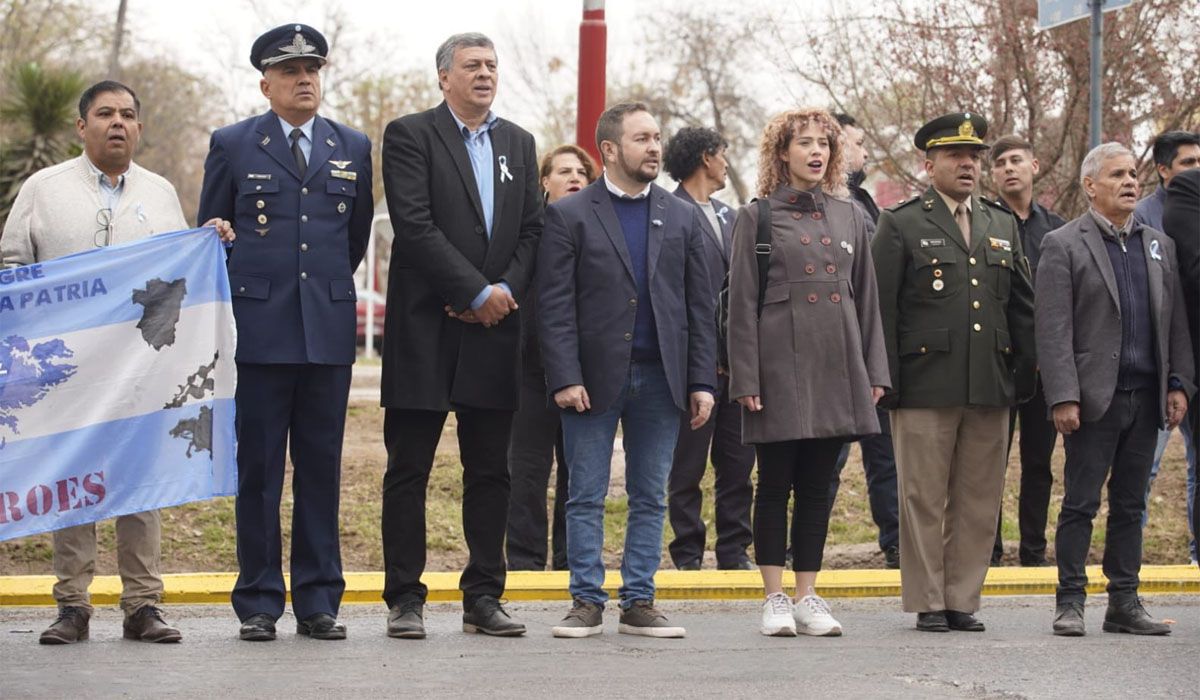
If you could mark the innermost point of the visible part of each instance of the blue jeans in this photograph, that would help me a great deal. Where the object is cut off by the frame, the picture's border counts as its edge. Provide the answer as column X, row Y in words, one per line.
column 650, row 420
column 1189, row 444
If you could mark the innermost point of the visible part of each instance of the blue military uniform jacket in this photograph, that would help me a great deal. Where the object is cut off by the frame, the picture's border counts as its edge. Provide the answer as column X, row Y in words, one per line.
column 298, row 240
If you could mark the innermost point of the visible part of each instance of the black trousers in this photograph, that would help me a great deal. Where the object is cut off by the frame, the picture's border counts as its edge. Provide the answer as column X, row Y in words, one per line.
column 803, row 469
column 536, row 446
column 301, row 406
column 1120, row 448
column 879, row 465
column 720, row 437
column 411, row 437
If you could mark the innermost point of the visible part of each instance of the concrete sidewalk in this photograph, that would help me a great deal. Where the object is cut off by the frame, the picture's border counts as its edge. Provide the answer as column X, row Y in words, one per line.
column 672, row 585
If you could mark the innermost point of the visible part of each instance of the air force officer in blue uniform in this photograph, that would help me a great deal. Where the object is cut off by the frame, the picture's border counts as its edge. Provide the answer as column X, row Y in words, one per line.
column 299, row 189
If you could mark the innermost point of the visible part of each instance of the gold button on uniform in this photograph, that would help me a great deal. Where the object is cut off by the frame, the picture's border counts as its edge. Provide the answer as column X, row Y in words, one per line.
column 971, row 260
column 974, row 282
column 924, row 349
column 937, row 272
column 975, row 305
column 262, row 218
column 933, row 262
column 977, row 327
column 938, row 285
column 260, row 204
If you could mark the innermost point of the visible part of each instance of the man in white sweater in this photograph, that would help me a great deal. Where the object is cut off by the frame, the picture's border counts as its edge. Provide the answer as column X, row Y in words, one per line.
column 98, row 199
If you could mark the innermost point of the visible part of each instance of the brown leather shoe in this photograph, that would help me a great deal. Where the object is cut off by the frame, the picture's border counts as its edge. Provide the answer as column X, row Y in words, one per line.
column 146, row 624
column 70, row 627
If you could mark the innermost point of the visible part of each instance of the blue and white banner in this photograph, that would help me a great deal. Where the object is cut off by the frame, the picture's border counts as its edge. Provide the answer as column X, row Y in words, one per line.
column 116, row 382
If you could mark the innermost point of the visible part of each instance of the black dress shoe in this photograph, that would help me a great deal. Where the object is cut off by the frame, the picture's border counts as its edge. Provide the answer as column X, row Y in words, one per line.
column 258, row 628
column 405, row 620
column 693, row 565
column 932, row 622
column 743, row 564
column 487, row 616
column 1068, row 620
column 891, row 557
column 321, row 626
column 963, row 622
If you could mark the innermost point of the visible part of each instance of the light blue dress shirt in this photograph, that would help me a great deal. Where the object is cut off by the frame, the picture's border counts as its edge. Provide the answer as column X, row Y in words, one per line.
column 305, row 136
column 479, row 149
column 110, row 194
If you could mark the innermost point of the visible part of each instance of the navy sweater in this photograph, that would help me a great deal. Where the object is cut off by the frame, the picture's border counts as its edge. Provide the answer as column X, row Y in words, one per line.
column 1138, row 368
column 634, row 215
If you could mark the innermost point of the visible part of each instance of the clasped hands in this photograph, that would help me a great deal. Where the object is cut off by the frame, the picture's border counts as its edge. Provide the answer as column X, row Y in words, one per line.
column 498, row 304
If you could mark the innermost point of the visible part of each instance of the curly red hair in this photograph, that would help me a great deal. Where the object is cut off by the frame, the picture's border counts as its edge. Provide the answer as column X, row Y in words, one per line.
column 778, row 135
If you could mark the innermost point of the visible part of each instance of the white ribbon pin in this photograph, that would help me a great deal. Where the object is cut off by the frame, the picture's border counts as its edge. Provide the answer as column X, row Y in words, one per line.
column 1154, row 251
column 505, row 175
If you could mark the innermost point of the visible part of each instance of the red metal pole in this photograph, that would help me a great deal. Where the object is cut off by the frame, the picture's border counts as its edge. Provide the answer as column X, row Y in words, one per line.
column 593, row 43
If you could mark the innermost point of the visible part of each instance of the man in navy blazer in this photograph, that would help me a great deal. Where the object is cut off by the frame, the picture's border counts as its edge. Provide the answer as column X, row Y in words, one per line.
column 695, row 157
column 298, row 188
column 627, row 336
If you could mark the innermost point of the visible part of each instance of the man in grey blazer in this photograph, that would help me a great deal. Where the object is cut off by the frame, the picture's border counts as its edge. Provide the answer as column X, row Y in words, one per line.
column 627, row 336
column 1116, row 365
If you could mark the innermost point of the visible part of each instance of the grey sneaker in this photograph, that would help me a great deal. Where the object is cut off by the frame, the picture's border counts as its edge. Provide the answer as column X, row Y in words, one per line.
column 642, row 618
column 584, row 620
column 1068, row 620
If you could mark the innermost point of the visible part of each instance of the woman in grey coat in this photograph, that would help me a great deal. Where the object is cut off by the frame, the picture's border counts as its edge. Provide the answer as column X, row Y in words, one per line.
column 809, row 369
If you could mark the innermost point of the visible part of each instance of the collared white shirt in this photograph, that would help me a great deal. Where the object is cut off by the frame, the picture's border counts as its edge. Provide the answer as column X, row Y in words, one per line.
column 306, row 130
column 618, row 192
column 110, row 194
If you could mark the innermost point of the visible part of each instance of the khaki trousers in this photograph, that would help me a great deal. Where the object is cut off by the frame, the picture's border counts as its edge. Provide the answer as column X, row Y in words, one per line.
column 138, row 554
column 950, row 465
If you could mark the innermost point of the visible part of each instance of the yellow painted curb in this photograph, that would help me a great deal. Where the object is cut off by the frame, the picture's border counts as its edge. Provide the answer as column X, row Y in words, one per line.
column 365, row 587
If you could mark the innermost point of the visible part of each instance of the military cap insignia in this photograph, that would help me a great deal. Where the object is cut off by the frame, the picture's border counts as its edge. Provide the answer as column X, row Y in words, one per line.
column 298, row 46
column 966, row 130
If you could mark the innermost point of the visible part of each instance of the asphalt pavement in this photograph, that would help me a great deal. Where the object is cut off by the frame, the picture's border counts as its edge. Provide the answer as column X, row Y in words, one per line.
column 880, row 655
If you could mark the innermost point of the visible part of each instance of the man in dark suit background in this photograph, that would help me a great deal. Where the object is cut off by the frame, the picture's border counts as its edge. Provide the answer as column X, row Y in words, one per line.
column 627, row 335
column 695, row 158
column 1181, row 221
column 462, row 192
column 1116, row 365
column 297, row 187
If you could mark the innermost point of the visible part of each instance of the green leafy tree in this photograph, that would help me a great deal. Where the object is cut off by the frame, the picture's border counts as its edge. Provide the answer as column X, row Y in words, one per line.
column 40, row 109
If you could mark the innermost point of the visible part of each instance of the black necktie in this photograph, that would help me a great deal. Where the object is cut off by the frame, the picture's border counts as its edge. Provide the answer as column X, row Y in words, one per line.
column 298, row 154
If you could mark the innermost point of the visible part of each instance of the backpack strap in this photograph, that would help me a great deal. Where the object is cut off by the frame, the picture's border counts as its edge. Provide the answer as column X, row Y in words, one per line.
column 762, row 249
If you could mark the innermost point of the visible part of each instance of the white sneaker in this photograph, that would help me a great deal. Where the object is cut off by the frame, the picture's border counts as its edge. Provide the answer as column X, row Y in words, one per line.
column 813, row 617
column 777, row 618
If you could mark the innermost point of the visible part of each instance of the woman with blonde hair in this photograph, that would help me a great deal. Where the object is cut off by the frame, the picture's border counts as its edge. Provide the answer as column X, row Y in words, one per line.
column 536, row 439
column 806, row 351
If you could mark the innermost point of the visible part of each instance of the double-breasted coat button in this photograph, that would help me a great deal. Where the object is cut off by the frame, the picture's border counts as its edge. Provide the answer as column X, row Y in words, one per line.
column 810, row 268
column 977, row 327
column 304, row 218
column 797, row 215
column 831, row 268
column 628, row 336
column 971, row 260
column 303, row 275
column 792, row 199
column 805, row 240
column 835, row 298
column 812, row 298
column 818, row 215
column 826, row 240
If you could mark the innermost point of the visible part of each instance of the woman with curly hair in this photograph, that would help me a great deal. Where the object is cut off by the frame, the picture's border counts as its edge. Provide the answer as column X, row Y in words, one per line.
column 536, row 439
column 806, row 351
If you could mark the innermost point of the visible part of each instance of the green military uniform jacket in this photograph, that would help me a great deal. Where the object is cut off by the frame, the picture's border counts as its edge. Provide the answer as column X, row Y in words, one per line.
column 957, row 322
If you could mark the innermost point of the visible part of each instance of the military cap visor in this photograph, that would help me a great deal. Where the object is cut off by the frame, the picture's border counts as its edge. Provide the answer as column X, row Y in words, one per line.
column 959, row 129
column 288, row 42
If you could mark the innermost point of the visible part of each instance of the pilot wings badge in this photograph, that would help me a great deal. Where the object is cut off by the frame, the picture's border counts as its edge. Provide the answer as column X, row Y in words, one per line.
column 340, row 164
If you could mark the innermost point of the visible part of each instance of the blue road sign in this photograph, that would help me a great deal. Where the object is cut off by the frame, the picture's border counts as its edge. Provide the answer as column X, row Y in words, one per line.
column 1052, row 13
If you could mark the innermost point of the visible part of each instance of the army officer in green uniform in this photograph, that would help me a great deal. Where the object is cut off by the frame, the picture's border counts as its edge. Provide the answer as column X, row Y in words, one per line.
column 957, row 309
